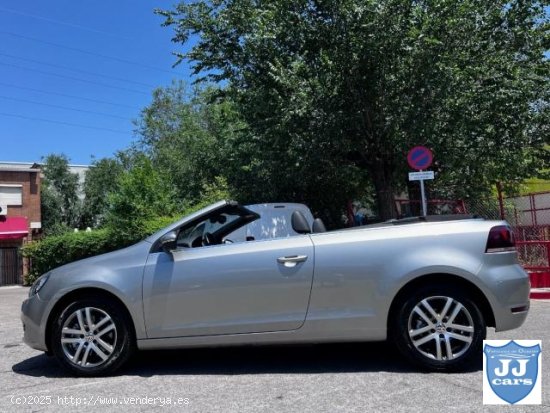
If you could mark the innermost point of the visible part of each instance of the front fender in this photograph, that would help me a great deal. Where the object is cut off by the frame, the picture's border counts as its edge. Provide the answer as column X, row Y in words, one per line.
column 119, row 273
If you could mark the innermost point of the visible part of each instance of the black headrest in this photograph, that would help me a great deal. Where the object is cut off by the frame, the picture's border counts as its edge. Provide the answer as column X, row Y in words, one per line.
column 299, row 223
column 318, row 226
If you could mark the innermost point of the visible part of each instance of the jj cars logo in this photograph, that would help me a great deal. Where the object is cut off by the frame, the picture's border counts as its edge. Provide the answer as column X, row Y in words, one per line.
column 511, row 372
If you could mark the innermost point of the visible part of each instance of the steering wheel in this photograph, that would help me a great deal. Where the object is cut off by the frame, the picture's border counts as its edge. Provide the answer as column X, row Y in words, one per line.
column 208, row 239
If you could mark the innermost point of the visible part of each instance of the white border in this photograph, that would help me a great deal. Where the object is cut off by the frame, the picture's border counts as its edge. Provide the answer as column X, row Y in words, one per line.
column 489, row 396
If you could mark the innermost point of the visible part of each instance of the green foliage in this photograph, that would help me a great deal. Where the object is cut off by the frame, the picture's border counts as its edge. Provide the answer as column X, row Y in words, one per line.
column 197, row 138
column 100, row 182
column 153, row 225
column 57, row 250
column 214, row 192
column 334, row 93
column 189, row 137
column 142, row 193
column 61, row 207
column 534, row 185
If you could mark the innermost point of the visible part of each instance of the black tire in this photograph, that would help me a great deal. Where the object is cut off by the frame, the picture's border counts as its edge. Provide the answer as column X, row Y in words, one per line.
column 406, row 323
column 120, row 339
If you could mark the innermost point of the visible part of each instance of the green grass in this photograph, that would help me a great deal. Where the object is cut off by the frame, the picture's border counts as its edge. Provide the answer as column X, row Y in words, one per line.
column 534, row 185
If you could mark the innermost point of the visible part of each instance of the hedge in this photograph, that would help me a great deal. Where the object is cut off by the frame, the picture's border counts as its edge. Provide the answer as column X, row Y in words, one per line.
column 57, row 250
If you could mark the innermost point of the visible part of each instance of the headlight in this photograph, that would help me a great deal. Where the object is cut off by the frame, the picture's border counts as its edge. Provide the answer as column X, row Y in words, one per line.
column 38, row 284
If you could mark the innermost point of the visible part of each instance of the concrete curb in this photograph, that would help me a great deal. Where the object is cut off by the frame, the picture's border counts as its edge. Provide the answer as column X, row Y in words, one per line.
column 540, row 293
column 539, row 279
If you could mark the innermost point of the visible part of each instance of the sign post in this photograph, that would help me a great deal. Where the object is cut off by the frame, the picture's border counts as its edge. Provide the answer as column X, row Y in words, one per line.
column 423, row 196
column 420, row 158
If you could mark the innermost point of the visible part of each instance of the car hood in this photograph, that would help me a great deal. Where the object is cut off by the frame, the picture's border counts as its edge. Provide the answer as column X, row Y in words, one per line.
column 99, row 270
column 113, row 258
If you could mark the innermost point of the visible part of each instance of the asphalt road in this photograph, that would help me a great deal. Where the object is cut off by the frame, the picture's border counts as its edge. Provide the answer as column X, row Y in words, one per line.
column 323, row 378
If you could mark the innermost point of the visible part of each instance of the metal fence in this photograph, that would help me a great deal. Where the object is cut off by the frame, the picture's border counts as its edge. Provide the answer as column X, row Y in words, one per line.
column 528, row 215
column 412, row 207
column 10, row 266
column 530, row 218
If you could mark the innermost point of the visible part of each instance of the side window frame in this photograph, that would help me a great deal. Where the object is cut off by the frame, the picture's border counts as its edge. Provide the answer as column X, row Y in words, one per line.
column 246, row 215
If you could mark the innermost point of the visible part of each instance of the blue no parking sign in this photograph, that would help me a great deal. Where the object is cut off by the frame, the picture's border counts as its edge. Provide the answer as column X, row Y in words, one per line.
column 420, row 158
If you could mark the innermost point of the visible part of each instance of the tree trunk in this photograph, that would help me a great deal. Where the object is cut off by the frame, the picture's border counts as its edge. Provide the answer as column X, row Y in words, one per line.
column 385, row 194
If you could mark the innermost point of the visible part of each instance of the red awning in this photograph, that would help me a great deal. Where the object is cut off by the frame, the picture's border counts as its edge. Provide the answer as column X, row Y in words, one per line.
column 13, row 227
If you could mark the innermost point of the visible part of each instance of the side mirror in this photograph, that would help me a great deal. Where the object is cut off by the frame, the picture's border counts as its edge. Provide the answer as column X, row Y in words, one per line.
column 168, row 242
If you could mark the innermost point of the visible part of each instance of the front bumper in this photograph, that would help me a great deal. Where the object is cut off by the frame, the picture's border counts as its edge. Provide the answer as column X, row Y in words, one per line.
column 33, row 316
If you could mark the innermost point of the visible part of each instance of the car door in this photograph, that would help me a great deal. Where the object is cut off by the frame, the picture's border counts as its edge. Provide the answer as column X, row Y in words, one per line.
column 234, row 288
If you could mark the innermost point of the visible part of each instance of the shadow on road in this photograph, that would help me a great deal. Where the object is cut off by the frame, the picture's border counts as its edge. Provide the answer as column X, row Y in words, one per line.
column 323, row 358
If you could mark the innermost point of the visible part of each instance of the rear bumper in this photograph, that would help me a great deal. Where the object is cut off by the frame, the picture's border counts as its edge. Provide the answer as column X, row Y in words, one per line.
column 510, row 320
column 508, row 290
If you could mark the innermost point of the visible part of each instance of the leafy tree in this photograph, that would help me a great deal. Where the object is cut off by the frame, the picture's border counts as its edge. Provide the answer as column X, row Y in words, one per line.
column 189, row 137
column 214, row 192
column 198, row 136
column 336, row 91
column 101, row 181
column 60, row 204
column 142, row 193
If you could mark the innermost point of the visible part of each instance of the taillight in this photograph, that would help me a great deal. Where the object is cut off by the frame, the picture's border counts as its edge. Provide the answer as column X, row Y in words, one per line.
column 501, row 238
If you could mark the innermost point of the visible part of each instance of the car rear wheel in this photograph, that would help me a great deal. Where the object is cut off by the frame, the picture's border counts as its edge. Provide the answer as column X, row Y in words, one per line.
column 92, row 337
column 439, row 328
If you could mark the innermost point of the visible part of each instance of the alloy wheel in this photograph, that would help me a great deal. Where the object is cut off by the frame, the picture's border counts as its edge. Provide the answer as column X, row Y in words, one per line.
column 88, row 337
column 440, row 328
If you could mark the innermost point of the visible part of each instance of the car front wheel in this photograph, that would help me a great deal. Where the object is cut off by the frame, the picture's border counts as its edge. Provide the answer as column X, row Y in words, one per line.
column 92, row 337
column 439, row 328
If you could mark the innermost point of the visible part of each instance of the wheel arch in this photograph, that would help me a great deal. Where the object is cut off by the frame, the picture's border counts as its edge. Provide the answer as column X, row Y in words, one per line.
column 444, row 279
column 89, row 292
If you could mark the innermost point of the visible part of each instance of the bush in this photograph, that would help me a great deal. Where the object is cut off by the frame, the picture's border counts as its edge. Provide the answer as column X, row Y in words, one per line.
column 57, row 250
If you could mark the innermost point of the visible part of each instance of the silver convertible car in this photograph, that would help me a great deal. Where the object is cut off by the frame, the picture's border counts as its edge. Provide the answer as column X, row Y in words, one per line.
column 431, row 286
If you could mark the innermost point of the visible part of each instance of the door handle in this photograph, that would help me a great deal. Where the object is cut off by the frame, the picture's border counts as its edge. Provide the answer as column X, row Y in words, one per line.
column 291, row 260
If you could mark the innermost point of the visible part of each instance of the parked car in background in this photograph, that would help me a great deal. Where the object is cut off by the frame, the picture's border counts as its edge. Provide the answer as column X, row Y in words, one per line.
column 431, row 286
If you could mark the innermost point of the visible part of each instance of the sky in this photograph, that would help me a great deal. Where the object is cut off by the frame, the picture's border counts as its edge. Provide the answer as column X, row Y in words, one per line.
column 74, row 74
